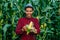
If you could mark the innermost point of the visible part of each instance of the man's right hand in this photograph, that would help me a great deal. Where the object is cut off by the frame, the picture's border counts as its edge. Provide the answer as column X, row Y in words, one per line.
column 24, row 28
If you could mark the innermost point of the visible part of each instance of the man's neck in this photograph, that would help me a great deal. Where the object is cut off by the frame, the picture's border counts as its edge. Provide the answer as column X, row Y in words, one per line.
column 28, row 16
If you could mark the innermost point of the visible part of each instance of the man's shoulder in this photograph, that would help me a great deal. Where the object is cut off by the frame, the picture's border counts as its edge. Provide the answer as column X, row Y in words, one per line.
column 35, row 19
column 22, row 18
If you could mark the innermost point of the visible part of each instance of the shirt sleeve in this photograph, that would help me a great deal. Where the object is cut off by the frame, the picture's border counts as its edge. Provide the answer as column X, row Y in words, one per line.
column 37, row 26
column 19, row 27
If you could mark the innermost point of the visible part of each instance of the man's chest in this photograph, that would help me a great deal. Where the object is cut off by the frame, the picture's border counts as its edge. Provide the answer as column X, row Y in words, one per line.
column 27, row 21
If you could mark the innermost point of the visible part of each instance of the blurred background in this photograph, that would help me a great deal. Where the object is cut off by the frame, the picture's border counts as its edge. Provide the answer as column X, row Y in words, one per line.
column 46, row 11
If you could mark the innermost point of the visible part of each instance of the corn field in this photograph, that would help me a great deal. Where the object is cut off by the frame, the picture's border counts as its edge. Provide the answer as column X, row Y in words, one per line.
column 46, row 11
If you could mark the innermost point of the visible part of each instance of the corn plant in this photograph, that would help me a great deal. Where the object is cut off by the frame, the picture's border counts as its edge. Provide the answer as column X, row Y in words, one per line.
column 46, row 11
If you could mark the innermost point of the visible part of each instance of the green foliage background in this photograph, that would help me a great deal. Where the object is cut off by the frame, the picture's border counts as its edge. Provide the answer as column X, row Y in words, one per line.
column 47, row 11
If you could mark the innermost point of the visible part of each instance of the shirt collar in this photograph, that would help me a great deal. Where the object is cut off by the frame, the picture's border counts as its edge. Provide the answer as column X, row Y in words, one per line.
column 28, row 18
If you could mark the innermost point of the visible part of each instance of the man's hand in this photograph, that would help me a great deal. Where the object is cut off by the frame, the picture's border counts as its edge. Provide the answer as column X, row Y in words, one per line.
column 24, row 28
column 34, row 30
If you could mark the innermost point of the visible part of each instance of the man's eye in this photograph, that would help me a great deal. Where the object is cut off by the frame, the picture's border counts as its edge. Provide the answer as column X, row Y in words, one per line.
column 27, row 11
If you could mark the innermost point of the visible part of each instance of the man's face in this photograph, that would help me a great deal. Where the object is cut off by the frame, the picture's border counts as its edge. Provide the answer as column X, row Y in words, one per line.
column 29, row 11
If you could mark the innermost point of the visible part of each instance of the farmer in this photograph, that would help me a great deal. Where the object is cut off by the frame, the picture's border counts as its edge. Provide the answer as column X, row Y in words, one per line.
column 21, row 29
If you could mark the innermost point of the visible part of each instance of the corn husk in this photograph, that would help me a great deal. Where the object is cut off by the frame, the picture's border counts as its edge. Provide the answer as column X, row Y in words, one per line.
column 29, row 27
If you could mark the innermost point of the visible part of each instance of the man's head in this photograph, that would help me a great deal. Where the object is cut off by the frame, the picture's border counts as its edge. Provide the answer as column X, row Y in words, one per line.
column 29, row 9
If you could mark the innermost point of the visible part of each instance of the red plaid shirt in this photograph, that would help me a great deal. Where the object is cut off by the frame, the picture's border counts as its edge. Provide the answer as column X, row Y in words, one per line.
column 22, row 22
